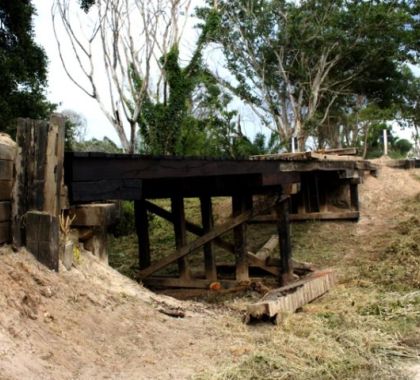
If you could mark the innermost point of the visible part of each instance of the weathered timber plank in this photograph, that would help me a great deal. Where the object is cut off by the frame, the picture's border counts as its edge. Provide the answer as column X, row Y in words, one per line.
column 191, row 227
column 255, row 261
column 104, row 190
column 198, row 243
column 5, row 190
column 4, row 232
column 290, row 298
column 193, row 283
column 285, row 248
column 345, row 215
column 5, row 211
column 42, row 237
column 268, row 248
column 94, row 167
column 6, row 170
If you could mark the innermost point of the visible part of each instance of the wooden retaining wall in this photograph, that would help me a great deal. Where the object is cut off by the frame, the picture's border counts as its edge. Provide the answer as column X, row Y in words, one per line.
column 7, row 157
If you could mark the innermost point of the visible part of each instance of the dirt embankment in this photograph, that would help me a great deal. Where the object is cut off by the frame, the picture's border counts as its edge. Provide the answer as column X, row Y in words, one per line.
column 92, row 322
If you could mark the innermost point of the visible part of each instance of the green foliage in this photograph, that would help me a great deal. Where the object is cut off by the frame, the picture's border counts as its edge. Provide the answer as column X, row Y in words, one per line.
column 105, row 145
column 23, row 65
column 277, row 50
column 125, row 225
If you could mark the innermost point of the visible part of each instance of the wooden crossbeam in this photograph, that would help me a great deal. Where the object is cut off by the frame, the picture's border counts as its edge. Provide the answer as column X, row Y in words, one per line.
column 191, row 227
column 198, row 243
column 271, row 219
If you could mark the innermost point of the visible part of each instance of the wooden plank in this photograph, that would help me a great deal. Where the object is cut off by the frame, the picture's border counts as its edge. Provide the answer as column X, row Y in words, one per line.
column 6, row 170
column 283, row 229
column 339, row 151
column 91, row 167
column 345, row 215
column 5, row 211
column 191, row 227
column 292, row 297
column 5, row 232
column 255, row 261
column 5, row 190
column 178, row 211
column 268, row 248
column 208, row 224
column 42, row 237
column 239, row 205
column 105, row 190
column 198, row 243
column 142, row 230
column 354, row 197
column 193, row 283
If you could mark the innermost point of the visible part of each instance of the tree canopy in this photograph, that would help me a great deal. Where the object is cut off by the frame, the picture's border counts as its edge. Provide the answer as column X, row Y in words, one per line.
column 23, row 65
column 295, row 63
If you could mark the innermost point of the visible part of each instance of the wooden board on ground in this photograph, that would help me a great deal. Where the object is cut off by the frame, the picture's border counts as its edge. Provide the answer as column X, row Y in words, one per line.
column 292, row 297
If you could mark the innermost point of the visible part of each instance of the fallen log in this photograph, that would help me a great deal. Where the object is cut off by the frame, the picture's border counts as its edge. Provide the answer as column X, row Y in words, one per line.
column 290, row 298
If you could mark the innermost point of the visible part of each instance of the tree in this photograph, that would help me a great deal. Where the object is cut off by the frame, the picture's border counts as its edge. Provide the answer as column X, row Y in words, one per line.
column 293, row 61
column 23, row 65
column 125, row 42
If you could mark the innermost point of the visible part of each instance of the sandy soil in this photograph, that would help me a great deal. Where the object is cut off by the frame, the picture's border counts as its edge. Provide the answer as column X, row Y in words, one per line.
column 92, row 322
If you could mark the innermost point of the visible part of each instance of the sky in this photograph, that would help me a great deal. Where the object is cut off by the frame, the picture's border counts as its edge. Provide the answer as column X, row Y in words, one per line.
column 68, row 97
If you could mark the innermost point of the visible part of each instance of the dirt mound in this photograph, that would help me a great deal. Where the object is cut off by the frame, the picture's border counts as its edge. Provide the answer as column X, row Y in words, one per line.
column 92, row 322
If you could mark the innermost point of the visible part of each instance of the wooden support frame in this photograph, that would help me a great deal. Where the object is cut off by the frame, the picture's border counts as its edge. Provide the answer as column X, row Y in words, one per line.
column 196, row 244
column 191, row 227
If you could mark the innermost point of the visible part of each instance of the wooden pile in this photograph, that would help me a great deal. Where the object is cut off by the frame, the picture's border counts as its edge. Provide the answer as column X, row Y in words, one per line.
column 7, row 157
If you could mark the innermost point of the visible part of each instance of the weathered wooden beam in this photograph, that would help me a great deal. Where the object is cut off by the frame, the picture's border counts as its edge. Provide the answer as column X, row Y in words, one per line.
column 345, row 215
column 292, row 297
column 94, row 214
column 5, row 210
column 191, row 227
column 42, row 237
column 208, row 224
column 192, row 283
column 196, row 244
column 240, row 203
column 6, row 189
column 178, row 211
column 6, row 170
column 268, row 248
column 4, row 232
column 7, row 148
column 255, row 261
column 142, row 230
column 354, row 197
column 283, row 228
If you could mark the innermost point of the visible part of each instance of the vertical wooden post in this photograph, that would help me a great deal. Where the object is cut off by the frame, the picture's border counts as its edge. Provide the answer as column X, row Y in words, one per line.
column 142, row 230
column 207, row 221
column 354, row 196
column 239, row 205
column 178, row 212
column 39, row 179
column 283, row 228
